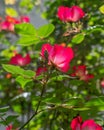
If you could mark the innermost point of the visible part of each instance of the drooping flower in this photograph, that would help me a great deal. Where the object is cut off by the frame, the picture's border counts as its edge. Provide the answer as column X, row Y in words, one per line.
column 58, row 56
column 82, row 73
column 40, row 70
column 72, row 14
column 19, row 60
column 76, row 124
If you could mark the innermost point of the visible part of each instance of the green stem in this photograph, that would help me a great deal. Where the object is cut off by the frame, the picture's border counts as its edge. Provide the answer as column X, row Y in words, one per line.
column 36, row 111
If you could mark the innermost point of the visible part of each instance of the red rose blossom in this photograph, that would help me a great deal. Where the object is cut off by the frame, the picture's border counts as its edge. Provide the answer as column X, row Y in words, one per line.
column 90, row 125
column 72, row 14
column 25, row 19
column 19, row 60
column 9, row 127
column 9, row 22
column 40, row 70
column 58, row 56
column 102, row 83
column 76, row 124
column 81, row 72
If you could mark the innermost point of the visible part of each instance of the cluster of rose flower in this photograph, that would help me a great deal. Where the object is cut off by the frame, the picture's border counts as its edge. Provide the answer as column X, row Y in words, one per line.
column 59, row 57
column 8, row 23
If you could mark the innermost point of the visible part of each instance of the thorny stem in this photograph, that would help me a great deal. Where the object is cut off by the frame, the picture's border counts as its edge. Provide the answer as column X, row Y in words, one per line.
column 36, row 111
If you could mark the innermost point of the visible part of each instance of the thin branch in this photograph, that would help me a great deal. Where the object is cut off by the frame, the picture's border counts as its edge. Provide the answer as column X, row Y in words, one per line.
column 4, row 121
column 36, row 111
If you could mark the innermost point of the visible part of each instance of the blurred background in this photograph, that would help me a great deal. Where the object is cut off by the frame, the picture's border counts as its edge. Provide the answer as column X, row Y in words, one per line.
column 89, row 50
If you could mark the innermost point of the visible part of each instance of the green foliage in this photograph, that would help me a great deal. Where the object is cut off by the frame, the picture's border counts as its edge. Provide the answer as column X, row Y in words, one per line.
column 55, row 97
column 32, row 36
column 45, row 30
column 78, row 38
column 23, row 81
column 102, row 9
column 16, row 70
column 11, row 12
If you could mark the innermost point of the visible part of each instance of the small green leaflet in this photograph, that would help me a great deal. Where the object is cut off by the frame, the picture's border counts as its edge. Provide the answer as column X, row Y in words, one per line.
column 18, row 71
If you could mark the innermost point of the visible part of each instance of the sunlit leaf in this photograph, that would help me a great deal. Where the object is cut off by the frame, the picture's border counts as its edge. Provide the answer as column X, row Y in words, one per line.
column 25, row 29
column 28, row 34
column 18, row 71
column 45, row 30
column 102, row 9
column 22, row 81
column 11, row 12
column 78, row 38
column 28, row 40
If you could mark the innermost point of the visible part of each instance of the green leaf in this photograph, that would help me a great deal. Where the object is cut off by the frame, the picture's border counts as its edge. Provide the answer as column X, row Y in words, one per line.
column 4, row 109
column 11, row 12
column 78, row 38
column 58, row 78
column 28, row 40
column 102, row 9
column 13, row 69
column 25, row 29
column 29, row 73
column 45, row 30
column 23, row 81
column 11, row 118
column 97, row 101
column 28, row 34
column 75, row 101
column 19, row 71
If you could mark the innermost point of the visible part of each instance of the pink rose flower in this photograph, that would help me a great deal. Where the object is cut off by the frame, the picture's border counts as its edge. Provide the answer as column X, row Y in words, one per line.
column 46, row 48
column 8, row 23
column 90, row 125
column 7, row 26
column 9, row 127
column 81, row 72
column 19, row 60
column 76, row 124
column 25, row 19
column 58, row 56
column 72, row 14
column 102, row 83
